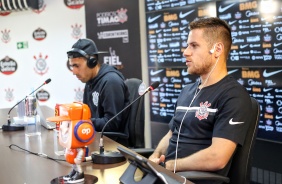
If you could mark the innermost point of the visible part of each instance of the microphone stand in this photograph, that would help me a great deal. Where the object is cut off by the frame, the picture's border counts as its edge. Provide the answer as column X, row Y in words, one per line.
column 10, row 127
column 112, row 157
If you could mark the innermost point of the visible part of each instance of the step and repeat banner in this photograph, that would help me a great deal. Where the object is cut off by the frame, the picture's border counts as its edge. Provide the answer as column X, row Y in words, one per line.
column 255, row 59
column 33, row 46
column 34, row 43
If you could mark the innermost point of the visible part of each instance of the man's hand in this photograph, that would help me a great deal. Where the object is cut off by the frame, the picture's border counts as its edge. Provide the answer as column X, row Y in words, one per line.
column 169, row 165
column 157, row 160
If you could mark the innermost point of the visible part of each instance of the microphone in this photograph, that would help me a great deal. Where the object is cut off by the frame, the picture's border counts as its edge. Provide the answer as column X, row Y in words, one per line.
column 10, row 127
column 114, row 157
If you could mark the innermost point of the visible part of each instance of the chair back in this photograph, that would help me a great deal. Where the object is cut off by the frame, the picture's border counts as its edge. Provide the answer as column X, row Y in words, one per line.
column 240, row 170
column 135, row 121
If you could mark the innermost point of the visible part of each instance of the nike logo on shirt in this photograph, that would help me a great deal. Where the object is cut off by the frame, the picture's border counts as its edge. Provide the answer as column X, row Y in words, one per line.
column 231, row 122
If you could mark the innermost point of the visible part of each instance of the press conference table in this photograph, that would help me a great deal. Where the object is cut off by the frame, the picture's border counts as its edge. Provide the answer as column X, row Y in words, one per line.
column 19, row 167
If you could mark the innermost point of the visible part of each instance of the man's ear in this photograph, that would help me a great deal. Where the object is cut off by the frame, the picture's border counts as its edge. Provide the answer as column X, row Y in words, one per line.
column 219, row 49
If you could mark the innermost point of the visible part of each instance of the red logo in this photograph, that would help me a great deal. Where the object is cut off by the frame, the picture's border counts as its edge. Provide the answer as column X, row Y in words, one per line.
column 76, row 31
column 39, row 34
column 9, row 95
column 41, row 66
column 42, row 95
column 5, row 36
column 8, row 66
column 41, row 7
column 122, row 15
column 4, row 13
column 74, row 4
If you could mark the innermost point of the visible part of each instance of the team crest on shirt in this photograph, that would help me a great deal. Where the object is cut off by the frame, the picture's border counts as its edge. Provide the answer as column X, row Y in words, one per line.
column 95, row 98
column 202, row 112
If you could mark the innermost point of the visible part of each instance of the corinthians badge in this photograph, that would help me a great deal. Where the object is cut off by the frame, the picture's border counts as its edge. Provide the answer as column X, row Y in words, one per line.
column 41, row 66
column 202, row 112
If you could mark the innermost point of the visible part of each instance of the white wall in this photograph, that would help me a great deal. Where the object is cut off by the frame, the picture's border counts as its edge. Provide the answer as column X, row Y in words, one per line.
column 57, row 20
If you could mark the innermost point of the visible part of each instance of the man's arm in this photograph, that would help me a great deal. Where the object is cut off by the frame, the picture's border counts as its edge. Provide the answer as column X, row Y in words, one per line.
column 212, row 158
column 161, row 149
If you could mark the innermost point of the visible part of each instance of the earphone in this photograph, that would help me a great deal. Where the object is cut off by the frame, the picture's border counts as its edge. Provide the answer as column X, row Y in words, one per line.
column 212, row 50
column 91, row 60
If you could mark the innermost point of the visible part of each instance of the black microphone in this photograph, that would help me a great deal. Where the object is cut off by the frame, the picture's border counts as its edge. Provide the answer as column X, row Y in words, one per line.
column 10, row 127
column 114, row 157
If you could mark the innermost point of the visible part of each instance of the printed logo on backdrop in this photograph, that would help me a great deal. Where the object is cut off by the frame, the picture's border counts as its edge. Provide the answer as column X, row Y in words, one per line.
column 5, row 36
column 41, row 6
column 8, row 66
column 9, row 96
column 112, row 17
column 39, row 34
column 113, row 60
column 41, row 65
column 114, row 34
column 76, row 31
column 78, row 94
column 4, row 13
column 2, row 7
column 42, row 95
column 74, row 4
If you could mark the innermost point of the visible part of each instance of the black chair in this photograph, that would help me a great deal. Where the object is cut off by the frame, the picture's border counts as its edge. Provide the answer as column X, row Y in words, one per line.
column 133, row 136
column 135, row 121
column 240, row 170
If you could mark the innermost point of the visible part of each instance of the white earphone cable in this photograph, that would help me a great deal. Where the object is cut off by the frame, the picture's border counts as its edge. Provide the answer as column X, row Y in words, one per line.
column 195, row 95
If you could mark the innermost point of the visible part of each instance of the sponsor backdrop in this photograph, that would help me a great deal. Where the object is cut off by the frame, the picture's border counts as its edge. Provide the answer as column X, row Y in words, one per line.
column 33, row 48
column 114, row 26
column 34, row 44
column 257, row 46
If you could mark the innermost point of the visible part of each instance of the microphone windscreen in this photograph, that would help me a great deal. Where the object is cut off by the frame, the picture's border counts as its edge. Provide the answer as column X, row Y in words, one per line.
column 155, row 85
column 47, row 81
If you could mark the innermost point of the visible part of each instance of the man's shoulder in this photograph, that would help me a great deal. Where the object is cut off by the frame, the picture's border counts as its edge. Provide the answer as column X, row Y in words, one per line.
column 111, row 73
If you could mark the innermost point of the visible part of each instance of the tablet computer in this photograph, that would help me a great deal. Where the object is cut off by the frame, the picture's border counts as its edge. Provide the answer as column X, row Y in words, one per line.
column 144, row 165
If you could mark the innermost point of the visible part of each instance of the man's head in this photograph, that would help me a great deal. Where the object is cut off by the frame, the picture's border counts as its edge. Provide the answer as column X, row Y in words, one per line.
column 216, row 30
column 83, row 59
column 85, row 48
column 209, row 39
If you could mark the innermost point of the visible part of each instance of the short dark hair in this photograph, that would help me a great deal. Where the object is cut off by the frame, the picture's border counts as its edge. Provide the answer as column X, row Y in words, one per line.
column 215, row 30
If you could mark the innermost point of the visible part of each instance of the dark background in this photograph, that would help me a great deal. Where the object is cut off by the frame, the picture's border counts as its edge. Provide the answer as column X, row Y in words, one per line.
column 128, row 51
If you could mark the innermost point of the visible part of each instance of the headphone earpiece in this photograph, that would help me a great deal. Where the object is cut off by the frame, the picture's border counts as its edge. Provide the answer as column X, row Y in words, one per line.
column 91, row 61
column 212, row 50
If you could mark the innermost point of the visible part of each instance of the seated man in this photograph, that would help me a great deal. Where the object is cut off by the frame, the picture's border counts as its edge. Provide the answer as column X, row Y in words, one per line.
column 105, row 91
column 211, row 116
